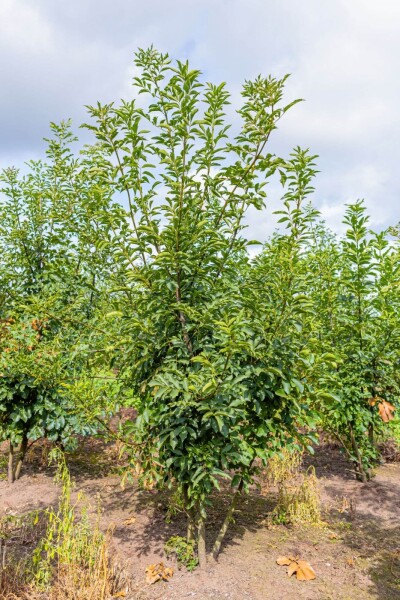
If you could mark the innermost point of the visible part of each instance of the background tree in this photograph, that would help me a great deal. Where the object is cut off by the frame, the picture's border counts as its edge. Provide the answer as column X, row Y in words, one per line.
column 51, row 278
column 355, row 296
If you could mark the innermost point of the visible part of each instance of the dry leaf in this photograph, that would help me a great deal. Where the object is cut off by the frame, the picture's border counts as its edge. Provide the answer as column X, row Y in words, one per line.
column 129, row 521
column 305, row 572
column 152, row 574
column 303, row 569
column 158, row 571
column 121, row 594
column 283, row 560
column 386, row 411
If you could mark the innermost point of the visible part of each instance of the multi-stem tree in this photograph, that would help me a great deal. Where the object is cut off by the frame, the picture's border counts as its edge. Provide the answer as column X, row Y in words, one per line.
column 213, row 396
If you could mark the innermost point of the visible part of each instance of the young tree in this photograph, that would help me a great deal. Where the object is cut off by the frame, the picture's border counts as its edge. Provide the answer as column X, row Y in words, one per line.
column 356, row 298
column 197, row 352
column 50, row 281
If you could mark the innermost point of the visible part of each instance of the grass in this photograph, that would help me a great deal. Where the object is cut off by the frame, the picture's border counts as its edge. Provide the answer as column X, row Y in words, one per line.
column 71, row 559
column 298, row 499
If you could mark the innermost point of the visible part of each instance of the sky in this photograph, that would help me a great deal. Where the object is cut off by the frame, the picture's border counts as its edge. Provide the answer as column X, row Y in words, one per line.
column 57, row 56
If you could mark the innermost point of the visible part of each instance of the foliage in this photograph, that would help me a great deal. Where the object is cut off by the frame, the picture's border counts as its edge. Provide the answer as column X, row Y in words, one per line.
column 357, row 315
column 283, row 466
column 218, row 383
column 301, row 568
column 72, row 558
column 51, row 283
column 298, row 498
column 127, row 279
column 298, row 502
column 183, row 550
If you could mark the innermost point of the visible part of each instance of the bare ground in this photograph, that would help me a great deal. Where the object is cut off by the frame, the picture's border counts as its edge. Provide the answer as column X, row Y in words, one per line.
column 356, row 556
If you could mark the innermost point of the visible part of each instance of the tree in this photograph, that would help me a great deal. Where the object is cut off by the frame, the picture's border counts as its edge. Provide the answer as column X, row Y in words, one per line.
column 51, row 276
column 191, row 341
column 356, row 299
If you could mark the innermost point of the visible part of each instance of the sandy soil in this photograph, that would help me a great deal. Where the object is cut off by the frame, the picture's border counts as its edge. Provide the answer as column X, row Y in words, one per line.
column 356, row 556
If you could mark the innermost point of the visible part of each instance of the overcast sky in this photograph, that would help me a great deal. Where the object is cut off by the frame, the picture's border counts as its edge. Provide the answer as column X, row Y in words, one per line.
column 344, row 57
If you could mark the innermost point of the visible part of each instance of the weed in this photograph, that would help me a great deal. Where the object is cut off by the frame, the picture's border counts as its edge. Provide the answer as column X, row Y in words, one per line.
column 283, row 466
column 183, row 551
column 299, row 504
column 298, row 501
column 72, row 559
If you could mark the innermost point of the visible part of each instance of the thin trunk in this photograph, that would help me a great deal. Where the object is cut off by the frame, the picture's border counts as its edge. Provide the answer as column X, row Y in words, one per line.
column 191, row 528
column 225, row 525
column 356, row 451
column 182, row 320
column 191, row 525
column 3, row 550
column 371, row 435
column 201, row 542
column 11, row 474
column 21, row 456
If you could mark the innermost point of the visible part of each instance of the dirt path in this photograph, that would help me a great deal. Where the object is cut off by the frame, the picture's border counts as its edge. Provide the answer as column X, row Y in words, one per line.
column 356, row 556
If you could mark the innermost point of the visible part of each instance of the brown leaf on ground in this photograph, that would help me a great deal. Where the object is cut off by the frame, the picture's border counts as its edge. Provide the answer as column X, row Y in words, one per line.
column 302, row 568
column 305, row 572
column 292, row 568
column 283, row 561
column 157, row 572
column 386, row 411
column 129, row 521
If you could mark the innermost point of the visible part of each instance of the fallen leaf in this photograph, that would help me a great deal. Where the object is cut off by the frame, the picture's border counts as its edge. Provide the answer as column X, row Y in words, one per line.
column 121, row 594
column 152, row 574
column 129, row 521
column 305, row 572
column 386, row 411
column 302, row 568
column 158, row 571
column 283, row 560
column 292, row 568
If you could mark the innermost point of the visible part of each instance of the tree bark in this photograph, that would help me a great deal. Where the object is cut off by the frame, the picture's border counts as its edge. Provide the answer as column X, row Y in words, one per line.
column 371, row 435
column 201, row 542
column 11, row 474
column 191, row 527
column 225, row 525
column 21, row 455
column 191, row 516
column 356, row 451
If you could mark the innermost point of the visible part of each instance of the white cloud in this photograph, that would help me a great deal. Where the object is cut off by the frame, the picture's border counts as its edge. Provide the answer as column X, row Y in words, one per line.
column 23, row 29
column 344, row 58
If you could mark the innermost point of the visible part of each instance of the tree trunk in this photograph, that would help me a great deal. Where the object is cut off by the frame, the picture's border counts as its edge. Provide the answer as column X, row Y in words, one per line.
column 225, row 525
column 21, row 455
column 191, row 527
column 371, row 435
column 360, row 468
column 201, row 542
column 11, row 474
column 191, row 515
